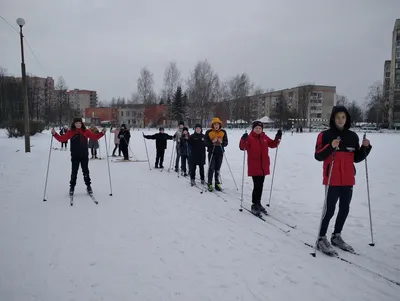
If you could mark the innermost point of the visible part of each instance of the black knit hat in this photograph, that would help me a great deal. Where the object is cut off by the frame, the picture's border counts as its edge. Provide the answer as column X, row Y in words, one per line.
column 123, row 125
column 185, row 129
column 161, row 128
column 257, row 123
column 198, row 125
column 181, row 122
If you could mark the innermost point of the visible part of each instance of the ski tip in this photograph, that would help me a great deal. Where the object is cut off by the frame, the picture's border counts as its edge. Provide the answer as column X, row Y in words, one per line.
column 313, row 254
column 241, row 210
column 372, row 244
column 267, row 205
column 110, row 194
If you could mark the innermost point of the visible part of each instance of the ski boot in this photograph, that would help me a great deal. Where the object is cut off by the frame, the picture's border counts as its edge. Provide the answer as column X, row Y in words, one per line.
column 210, row 187
column 255, row 209
column 192, row 182
column 203, row 182
column 89, row 190
column 337, row 241
column 218, row 187
column 262, row 209
column 324, row 246
column 156, row 166
column 161, row 166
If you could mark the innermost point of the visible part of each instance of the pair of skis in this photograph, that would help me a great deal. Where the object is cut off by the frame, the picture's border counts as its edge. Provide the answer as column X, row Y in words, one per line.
column 71, row 199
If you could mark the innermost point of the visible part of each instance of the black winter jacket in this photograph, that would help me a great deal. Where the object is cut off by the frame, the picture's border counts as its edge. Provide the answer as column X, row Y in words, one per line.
column 197, row 148
column 161, row 139
column 124, row 137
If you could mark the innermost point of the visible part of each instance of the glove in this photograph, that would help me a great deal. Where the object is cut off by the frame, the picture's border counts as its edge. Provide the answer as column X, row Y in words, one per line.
column 104, row 130
column 278, row 135
column 121, row 136
column 245, row 136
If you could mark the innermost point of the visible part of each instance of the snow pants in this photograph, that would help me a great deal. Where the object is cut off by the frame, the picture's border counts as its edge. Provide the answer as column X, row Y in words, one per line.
column 125, row 151
column 214, row 166
column 258, row 184
column 335, row 193
column 160, row 156
column 84, row 162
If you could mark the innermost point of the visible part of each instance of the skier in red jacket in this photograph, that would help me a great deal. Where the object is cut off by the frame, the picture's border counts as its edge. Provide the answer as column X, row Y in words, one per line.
column 256, row 144
column 344, row 144
column 79, row 136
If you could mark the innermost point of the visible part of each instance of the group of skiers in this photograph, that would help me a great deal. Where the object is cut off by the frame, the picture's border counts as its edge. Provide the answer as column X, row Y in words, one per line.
column 338, row 148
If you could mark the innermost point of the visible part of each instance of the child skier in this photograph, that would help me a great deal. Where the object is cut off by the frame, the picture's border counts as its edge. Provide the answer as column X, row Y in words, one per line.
column 177, row 137
column 93, row 143
column 63, row 131
column 197, row 154
column 161, row 145
column 184, row 150
column 257, row 144
column 338, row 147
column 116, row 141
column 124, row 137
column 216, row 140
column 79, row 151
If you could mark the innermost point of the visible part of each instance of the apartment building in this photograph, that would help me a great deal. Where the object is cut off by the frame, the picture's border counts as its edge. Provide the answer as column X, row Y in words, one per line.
column 394, row 95
column 311, row 102
column 82, row 99
column 133, row 116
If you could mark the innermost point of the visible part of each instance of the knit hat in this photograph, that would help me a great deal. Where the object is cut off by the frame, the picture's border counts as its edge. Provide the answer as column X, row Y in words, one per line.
column 181, row 122
column 77, row 119
column 185, row 129
column 161, row 128
column 123, row 125
column 257, row 123
column 198, row 125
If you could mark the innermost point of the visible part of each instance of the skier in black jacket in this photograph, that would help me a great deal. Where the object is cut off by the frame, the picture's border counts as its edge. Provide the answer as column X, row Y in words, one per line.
column 161, row 145
column 197, row 154
column 184, row 150
column 124, row 137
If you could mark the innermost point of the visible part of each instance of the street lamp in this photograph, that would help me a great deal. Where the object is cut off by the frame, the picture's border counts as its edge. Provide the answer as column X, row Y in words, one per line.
column 21, row 23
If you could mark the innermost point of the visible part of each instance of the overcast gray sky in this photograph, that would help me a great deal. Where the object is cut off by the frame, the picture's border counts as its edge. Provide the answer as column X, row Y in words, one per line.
column 102, row 45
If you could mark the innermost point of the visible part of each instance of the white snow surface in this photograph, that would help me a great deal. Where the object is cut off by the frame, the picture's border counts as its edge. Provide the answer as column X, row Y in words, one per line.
column 157, row 238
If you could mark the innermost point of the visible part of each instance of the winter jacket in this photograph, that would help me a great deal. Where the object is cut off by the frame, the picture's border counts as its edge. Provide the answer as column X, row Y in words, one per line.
column 197, row 149
column 211, row 134
column 116, row 137
column 177, row 137
column 124, row 137
column 93, row 143
column 79, row 141
column 184, row 146
column 161, row 139
column 257, row 146
column 348, row 153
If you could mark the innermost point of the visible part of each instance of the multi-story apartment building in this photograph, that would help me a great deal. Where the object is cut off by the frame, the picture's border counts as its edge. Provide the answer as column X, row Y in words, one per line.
column 133, row 116
column 311, row 102
column 394, row 95
column 82, row 99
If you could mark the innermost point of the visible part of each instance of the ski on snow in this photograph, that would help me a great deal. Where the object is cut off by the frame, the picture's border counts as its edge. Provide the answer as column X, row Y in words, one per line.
column 262, row 216
column 71, row 199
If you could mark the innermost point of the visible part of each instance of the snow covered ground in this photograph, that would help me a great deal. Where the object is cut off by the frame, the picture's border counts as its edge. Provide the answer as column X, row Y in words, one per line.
column 157, row 238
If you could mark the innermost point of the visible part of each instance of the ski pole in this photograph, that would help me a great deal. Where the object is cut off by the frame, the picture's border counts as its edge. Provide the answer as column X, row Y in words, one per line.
column 325, row 201
column 210, row 161
column 230, row 170
column 47, row 172
column 244, row 161
column 147, row 153
column 108, row 164
column 372, row 244
column 272, row 179
column 172, row 156
column 109, row 143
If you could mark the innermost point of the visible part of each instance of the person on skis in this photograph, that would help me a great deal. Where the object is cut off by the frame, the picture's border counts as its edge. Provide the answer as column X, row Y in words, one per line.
column 79, row 135
column 177, row 136
column 197, row 154
column 338, row 148
column 93, row 143
column 184, row 151
column 216, row 140
column 257, row 145
column 63, row 131
column 124, row 137
column 116, row 141
column 161, row 145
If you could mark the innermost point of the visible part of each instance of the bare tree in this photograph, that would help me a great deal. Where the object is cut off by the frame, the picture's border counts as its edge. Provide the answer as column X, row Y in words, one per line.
column 203, row 89
column 377, row 102
column 355, row 112
column 303, row 106
column 281, row 110
column 172, row 79
column 258, row 90
column 145, row 87
column 342, row 100
column 62, row 100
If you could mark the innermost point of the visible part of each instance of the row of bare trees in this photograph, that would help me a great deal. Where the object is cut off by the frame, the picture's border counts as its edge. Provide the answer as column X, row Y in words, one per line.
column 47, row 104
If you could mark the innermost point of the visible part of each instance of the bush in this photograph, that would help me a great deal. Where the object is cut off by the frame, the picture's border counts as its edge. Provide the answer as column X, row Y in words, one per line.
column 16, row 128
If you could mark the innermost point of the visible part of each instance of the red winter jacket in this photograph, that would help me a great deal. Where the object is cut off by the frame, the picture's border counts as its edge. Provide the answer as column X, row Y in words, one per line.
column 257, row 153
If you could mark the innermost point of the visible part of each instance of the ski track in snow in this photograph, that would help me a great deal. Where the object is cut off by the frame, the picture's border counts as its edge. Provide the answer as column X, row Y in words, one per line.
column 157, row 238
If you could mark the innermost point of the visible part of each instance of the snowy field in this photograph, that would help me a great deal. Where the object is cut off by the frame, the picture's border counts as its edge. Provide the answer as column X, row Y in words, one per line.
column 157, row 238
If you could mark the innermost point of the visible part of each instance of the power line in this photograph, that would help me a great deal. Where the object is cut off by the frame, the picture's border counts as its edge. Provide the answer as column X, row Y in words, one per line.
column 9, row 24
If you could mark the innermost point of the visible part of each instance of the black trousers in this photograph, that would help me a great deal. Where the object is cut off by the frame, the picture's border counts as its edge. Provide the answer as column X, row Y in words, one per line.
column 160, row 156
column 214, row 166
column 184, row 161
column 193, row 171
column 178, row 155
column 335, row 193
column 64, row 144
column 124, row 150
column 258, row 182
column 115, row 148
column 93, row 151
column 84, row 162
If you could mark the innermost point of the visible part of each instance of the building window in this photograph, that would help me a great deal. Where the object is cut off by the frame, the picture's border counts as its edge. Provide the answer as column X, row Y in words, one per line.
column 128, row 113
column 398, row 77
column 122, row 113
column 398, row 55
column 129, row 121
column 387, row 74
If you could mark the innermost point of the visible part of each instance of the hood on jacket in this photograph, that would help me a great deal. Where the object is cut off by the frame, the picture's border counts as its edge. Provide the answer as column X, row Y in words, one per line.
column 77, row 119
column 215, row 120
column 337, row 109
